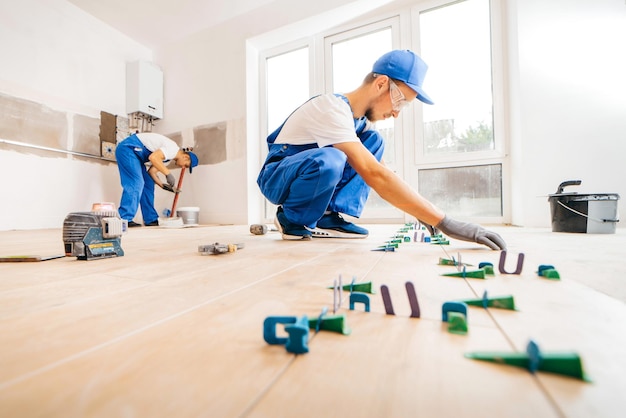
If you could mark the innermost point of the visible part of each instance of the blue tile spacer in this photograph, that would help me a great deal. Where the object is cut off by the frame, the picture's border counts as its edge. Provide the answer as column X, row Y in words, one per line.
column 298, row 336
column 319, row 319
column 485, row 300
column 543, row 267
column 269, row 328
column 359, row 297
column 534, row 356
column 460, row 307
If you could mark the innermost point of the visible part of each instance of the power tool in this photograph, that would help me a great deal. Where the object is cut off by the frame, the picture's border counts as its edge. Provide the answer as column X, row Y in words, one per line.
column 93, row 235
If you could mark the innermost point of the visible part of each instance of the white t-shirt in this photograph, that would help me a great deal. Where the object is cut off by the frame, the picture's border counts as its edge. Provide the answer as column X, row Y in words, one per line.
column 325, row 120
column 154, row 141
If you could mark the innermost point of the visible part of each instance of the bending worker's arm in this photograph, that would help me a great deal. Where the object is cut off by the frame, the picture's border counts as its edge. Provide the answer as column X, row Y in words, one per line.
column 156, row 159
column 398, row 193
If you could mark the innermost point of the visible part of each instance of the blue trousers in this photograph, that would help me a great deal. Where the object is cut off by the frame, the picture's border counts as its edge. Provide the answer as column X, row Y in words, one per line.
column 307, row 180
column 137, row 184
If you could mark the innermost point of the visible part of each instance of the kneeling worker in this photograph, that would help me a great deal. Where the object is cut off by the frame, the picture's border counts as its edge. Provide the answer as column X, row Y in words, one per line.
column 140, row 158
column 325, row 157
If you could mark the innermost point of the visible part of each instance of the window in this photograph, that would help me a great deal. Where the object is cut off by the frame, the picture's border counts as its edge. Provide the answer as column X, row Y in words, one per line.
column 455, row 41
column 352, row 54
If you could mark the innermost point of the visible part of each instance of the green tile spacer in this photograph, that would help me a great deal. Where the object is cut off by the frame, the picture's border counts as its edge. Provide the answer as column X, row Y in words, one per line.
column 333, row 323
column 562, row 363
column 549, row 272
column 474, row 274
column 500, row 302
column 365, row 287
column 453, row 262
column 457, row 324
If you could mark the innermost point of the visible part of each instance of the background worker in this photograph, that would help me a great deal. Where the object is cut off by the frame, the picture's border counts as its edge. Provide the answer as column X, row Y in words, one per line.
column 325, row 157
column 140, row 158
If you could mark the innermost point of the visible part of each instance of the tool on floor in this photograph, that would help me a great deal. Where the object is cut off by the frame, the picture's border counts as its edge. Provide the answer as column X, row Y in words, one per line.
column 218, row 248
column 565, row 363
column 28, row 258
column 93, row 235
column 258, row 229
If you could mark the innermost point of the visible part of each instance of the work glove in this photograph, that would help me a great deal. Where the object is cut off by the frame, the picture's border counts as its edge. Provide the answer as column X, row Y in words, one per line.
column 471, row 232
column 168, row 187
column 170, row 179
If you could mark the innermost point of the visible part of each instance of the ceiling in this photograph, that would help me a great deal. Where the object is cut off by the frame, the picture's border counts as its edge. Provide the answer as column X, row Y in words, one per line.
column 154, row 23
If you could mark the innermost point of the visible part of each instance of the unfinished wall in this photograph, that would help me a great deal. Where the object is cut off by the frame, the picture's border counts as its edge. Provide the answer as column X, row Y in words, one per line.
column 60, row 69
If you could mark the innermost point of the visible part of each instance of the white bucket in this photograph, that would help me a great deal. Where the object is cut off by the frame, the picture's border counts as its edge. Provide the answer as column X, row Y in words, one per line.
column 189, row 215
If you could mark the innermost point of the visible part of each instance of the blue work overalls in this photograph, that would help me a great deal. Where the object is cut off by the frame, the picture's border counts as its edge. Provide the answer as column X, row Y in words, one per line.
column 131, row 155
column 307, row 180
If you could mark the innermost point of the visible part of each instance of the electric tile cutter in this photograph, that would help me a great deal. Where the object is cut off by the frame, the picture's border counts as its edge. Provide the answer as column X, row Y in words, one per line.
column 93, row 235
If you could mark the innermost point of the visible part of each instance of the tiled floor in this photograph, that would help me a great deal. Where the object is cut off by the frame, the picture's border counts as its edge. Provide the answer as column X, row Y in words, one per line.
column 164, row 331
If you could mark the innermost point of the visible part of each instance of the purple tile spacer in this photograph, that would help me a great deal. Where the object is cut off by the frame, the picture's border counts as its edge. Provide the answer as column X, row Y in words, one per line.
column 518, row 269
column 384, row 291
column 415, row 307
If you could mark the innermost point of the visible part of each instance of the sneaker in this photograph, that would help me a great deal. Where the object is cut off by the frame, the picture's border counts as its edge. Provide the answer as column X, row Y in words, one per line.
column 132, row 224
column 333, row 225
column 153, row 223
column 290, row 231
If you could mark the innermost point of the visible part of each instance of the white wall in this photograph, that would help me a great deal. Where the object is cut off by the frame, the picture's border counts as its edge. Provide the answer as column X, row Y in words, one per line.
column 54, row 54
column 568, row 101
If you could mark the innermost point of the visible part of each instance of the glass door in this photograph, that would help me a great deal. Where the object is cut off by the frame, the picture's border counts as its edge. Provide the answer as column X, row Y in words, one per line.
column 460, row 153
column 349, row 57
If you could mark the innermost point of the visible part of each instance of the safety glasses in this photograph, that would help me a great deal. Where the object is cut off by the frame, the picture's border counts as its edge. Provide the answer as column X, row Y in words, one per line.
column 398, row 101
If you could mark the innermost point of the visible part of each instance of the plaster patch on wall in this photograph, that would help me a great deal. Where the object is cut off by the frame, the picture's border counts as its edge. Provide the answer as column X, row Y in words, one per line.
column 210, row 143
column 86, row 138
column 33, row 123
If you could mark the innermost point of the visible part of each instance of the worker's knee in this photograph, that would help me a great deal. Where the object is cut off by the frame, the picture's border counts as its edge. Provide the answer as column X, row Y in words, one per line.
column 331, row 164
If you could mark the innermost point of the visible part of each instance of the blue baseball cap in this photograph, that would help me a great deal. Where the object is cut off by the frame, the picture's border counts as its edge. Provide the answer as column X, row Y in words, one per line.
column 405, row 66
column 194, row 160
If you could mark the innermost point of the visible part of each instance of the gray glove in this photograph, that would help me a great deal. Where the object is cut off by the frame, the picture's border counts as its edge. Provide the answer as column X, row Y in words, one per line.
column 169, row 188
column 170, row 179
column 471, row 232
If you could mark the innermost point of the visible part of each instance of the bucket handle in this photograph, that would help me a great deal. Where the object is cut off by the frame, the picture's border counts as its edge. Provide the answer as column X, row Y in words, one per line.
column 586, row 216
column 567, row 183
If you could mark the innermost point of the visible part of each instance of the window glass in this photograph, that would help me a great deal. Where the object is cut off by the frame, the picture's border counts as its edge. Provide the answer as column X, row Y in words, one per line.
column 287, row 85
column 455, row 43
column 464, row 191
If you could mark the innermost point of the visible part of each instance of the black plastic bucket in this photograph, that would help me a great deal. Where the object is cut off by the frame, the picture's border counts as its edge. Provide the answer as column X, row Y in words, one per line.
column 586, row 213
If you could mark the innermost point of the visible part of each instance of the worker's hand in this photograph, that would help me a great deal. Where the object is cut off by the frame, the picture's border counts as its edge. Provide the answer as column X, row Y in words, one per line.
column 471, row 232
column 170, row 179
column 431, row 229
column 169, row 188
